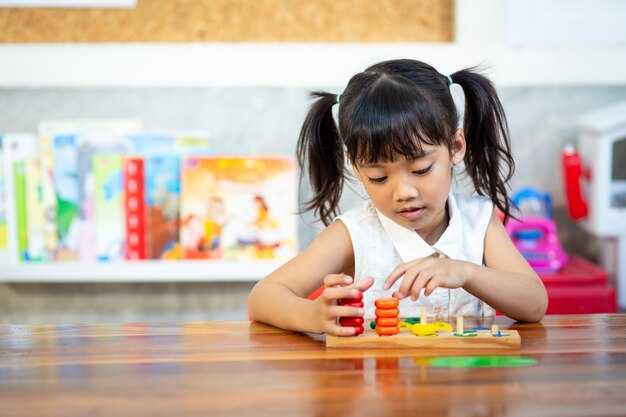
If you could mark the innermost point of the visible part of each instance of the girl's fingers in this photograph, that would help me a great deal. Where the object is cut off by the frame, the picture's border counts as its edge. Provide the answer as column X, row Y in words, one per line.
column 432, row 284
column 345, row 311
column 337, row 293
column 422, row 280
column 394, row 276
column 333, row 280
column 410, row 278
column 338, row 330
column 363, row 284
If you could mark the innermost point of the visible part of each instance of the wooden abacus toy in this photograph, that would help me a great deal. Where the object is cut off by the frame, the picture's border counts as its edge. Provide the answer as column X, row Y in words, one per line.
column 419, row 333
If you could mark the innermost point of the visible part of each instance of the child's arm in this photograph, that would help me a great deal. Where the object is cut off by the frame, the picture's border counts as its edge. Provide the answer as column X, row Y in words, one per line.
column 506, row 282
column 280, row 299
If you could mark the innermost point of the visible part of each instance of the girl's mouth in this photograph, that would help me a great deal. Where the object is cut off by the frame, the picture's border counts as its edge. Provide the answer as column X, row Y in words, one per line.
column 411, row 213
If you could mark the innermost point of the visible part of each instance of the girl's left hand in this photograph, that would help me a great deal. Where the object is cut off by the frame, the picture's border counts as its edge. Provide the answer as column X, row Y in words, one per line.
column 428, row 273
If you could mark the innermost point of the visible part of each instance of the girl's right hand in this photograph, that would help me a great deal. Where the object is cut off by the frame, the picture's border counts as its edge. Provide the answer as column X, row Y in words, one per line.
column 339, row 286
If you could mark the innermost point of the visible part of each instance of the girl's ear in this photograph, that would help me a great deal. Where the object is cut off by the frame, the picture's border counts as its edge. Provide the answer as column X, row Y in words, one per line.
column 457, row 151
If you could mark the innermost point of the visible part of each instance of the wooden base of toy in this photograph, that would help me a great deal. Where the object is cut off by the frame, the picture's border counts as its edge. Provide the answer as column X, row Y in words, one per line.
column 483, row 339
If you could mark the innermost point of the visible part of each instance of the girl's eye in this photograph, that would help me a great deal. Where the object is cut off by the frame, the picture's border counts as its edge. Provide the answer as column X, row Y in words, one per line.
column 378, row 180
column 423, row 171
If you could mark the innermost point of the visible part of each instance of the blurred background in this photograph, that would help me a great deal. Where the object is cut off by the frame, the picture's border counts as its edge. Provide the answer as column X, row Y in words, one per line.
column 240, row 71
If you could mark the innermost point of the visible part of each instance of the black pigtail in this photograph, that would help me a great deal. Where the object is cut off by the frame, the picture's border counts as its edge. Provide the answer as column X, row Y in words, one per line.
column 320, row 150
column 488, row 158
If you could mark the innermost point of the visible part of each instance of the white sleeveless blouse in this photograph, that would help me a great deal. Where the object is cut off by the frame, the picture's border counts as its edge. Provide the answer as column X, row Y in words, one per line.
column 381, row 244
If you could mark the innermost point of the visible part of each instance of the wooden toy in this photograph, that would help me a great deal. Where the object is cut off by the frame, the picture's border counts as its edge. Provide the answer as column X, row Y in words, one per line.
column 387, row 316
column 440, row 335
column 442, row 339
column 356, row 322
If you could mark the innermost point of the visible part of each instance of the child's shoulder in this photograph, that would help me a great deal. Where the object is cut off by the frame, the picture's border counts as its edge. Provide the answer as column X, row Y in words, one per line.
column 474, row 210
column 479, row 202
column 360, row 213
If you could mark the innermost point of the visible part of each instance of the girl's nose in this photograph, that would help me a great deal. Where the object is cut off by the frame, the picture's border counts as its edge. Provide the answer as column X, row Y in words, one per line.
column 405, row 191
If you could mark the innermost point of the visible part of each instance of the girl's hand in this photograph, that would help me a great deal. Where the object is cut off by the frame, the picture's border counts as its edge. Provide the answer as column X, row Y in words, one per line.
column 339, row 286
column 428, row 273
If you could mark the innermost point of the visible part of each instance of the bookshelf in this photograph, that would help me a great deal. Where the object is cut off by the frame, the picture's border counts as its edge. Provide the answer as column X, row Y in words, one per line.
column 138, row 271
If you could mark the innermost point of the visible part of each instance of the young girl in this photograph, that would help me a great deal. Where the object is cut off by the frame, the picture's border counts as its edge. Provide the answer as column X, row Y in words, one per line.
column 413, row 239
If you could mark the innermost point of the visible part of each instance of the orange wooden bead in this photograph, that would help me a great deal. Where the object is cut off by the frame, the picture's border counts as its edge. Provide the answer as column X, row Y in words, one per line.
column 387, row 330
column 387, row 303
column 387, row 321
column 387, row 312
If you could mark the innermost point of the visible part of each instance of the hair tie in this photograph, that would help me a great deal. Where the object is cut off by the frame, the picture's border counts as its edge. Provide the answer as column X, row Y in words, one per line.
column 449, row 77
column 338, row 98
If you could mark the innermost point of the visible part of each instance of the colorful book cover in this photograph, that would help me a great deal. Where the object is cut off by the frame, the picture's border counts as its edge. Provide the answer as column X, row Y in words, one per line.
column 88, row 131
column 88, row 145
column 162, row 151
column 238, row 208
column 34, row 209
column 19, row 186
column 162, row 182
column 49, row 198
column 134, row 206
column 17, row 147
column 109, row 206
column 65, row 160
column 4, row 250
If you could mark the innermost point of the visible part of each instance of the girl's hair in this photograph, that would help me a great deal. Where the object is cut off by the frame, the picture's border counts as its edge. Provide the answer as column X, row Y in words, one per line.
column 391, row 109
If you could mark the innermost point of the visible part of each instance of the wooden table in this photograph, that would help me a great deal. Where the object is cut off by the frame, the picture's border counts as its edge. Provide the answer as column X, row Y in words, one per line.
column 250, row 369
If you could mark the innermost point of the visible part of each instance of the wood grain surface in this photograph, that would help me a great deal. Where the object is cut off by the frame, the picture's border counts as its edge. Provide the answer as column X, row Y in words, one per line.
column 236, row 21
column 251, row 369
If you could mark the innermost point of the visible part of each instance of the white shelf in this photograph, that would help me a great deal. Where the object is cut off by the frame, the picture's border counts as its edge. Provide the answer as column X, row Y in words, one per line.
column 138, row 271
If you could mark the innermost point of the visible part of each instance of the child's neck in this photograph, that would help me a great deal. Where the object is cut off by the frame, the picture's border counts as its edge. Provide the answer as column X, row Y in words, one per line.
column 432, row 236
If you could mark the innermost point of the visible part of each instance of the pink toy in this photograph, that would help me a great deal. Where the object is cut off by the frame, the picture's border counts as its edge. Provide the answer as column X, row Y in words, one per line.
column 536, row 239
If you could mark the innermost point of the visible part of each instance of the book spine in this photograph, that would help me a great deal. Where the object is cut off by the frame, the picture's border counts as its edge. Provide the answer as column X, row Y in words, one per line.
column 4, row 239
column 19, row 178
column 34, row 209
column 49, row 199
column 134, row 203
column 109, row 206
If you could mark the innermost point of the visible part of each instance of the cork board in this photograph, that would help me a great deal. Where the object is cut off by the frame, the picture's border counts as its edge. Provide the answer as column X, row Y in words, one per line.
column 236, row 21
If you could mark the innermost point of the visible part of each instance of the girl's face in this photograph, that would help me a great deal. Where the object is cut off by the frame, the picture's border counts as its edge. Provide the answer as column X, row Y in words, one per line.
column 414, row 193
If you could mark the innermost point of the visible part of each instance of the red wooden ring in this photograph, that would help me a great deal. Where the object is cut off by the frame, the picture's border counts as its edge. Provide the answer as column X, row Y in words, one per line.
column 351, row 321
column 356, row 304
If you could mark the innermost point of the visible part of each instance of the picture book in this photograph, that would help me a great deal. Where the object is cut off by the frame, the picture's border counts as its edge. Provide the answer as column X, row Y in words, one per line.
column 162, row 193
column 237, row 208
column 90, row 136
column 48, row 198
column 109, row 206
column 3, row 212
column 19, row 187
column 65, row 161
column 34, row 209
column 16, row 148
column 134, row 212
column 88, row 145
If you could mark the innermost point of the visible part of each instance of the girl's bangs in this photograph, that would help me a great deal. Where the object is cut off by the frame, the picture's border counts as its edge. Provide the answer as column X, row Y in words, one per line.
column 389, row 122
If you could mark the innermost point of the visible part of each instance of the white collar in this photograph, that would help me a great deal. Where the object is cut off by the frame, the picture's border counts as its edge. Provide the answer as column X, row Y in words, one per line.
column 410, row 245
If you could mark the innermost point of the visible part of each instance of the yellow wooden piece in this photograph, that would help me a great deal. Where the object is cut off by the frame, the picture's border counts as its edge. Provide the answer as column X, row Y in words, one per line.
column 419, row 329
column 405, row 325
column 442, row 326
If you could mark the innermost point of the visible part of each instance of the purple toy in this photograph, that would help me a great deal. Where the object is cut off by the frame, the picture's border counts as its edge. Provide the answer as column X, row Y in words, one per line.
column 536, row 239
